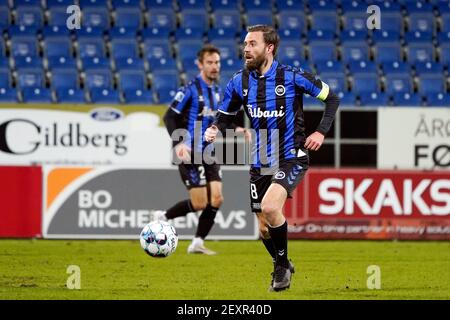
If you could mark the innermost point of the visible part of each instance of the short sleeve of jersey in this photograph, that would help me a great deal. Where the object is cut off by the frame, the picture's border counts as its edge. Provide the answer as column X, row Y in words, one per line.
column 312, row 85
column 181, row 99
column 232, row 101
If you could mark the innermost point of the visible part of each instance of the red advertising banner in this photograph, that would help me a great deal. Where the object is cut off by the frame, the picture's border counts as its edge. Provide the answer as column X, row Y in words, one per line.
column 371, row 204
column 20, row 202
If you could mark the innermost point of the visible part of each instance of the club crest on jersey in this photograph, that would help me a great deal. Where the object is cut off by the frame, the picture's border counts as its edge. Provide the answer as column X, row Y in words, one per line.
column 280, row 90
column 280, row 175
column 258, row 113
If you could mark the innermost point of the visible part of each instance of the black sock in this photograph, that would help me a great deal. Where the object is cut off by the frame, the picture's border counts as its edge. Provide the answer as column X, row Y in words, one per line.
column 279, row 239
column 182, row 208
column 268, row 243
column 206, row 221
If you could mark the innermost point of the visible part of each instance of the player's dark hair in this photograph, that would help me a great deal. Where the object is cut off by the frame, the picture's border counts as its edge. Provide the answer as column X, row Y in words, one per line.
column 207, row 48
column 270, row 35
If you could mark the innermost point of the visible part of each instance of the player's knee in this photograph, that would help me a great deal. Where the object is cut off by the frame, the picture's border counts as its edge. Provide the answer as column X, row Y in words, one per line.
column 264, row 232
column 269, row 210
column 216, row 200
column 198, row 204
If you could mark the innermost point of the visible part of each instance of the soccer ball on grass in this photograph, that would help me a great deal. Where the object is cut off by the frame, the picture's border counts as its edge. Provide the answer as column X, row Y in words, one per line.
column 159, row 239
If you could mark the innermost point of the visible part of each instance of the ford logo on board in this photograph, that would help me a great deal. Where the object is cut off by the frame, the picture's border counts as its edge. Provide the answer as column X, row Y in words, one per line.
column 106, row 114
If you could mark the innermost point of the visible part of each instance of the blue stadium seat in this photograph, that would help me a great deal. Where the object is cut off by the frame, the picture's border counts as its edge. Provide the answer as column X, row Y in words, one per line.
column 37, row 95
column 103, row 95
column 362, row 67
column 8, row 95
column 122, row 33
column 165, row 81
column 252, row 5
column 91, row 47
column 89, row 4
column 289, row 50
column 260, row 17
column 320, row 35
column 188, row 49
column 422, row 21
column 402, row 99
column 5, row 79
column 29, row 62
column 4, row 64
column 385, row 37
column 5, row 18
column 65, row 79
column 326, row 21
column 221, row 34
column 198, row 5
column 392, row 21
column 128, row 18
column 432, row 83
column 57, row 47
column 418, row 6
column 59, row 3
column 194, row 20
column 24, row 46
column 22, row 32
column 30, row 78
column 155, row 34
column 386, row 6
column 374, row 99
column 417, row 37
column 354, row 51
column 423, row 68
column 99, row 78
column 230, row 64
column 92, row 63
column 132, row 80
column 438, row 100
column 445, row 54
column 57, row 63
column 126, row 4
column 96, row 17
column 124, row 48
column 138, row 96
column 289, row 6
column 29, row 16
column 347, row 99
column 163, row 64
column 161, row 19
column 166, row 95
column 399, row 83
column 389, row 52
column 89, row 33
column 287, row 35
column 228, row 19
column 420, row 52
column 70, row 95
column 396, row 67
column 353, row 36
column 322, row 51
column 445, row 25
column 232, row 5
column 355, row 21
column 189, row 34
column 58, row 16
column 56, row 32
column 158, row 4
column 292, row 20
column 157, row 50
column 228, row 49
column 364, row 84
column 443, row 7
column 330, row 66
column 337, row 82
column 322, row 6
column 129, row 64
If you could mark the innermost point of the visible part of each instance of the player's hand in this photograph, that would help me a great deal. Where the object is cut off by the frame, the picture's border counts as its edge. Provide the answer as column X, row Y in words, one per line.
column 183, row 152
column 314, row 141
column 211, row 133
column 247, row 134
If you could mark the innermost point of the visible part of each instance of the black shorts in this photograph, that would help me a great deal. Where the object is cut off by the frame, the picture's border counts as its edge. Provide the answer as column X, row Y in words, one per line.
column 288, row 175
column 196, row 175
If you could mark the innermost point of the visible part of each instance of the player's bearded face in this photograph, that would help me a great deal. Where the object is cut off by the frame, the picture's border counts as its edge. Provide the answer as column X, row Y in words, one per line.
column 255, row 60
column 255, row 51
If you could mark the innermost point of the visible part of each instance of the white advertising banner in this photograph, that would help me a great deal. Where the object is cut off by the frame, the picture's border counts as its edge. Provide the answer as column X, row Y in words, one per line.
column 414, row 138
column 102, row 136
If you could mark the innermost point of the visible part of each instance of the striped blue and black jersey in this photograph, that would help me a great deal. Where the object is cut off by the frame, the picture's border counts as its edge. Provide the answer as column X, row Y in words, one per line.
column 274, row 102
column 197, row 102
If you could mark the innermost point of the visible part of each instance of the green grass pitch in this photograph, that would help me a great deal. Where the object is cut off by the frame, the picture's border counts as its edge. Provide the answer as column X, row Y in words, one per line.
column 36, row 269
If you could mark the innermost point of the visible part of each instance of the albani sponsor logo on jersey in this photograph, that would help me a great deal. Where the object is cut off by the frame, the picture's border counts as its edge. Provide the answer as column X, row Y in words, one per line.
column 258, row 113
